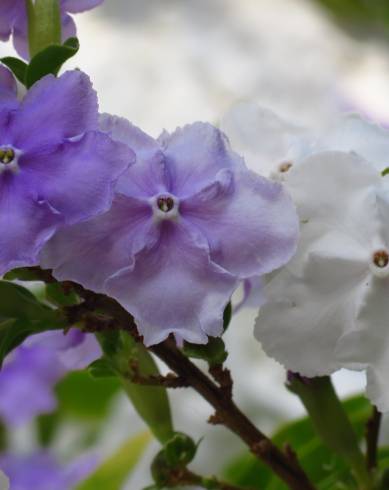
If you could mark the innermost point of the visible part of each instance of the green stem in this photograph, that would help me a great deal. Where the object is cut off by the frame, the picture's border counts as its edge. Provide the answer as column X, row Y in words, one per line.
column 44, row 24
column 331, row 423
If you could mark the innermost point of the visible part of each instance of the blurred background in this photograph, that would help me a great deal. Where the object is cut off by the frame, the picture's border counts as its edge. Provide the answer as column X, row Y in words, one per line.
column 163, row 63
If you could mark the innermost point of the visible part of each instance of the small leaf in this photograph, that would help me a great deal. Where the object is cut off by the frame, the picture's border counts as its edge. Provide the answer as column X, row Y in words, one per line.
column 385, row 171
column 101, row 368
column 50, row 60
column 180, row 450
column 18, row 67
column 151, row 402
column 57, row 295
column 214, row 352
column 114, row 472
column 21, row 315
column 44, row 24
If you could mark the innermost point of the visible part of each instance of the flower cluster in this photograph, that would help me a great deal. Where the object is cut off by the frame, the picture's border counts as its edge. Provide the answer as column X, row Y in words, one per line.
column 327, row 308
column 13, row 21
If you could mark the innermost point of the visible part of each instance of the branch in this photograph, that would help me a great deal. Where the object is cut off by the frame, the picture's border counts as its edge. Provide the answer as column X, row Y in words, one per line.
column 184, row 477
column 372, row 435
column 110, row 314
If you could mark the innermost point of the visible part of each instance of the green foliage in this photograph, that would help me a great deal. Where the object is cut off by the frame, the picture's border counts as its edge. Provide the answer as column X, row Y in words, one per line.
column 214, row 352
column 44, row 24
column 56, row 295
column 22, row 315
column 83, row 397
column 101, row 368
column 151, row 402
column 50, row 60
column 113, row 472
column 18, row 68
column 180, row 450
column 323, row 466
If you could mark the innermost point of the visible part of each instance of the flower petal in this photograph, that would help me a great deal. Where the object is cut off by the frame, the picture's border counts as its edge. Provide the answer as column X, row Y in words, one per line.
column 26, row 223
column 195, row 154
column 8, row 12
column 353, row 133
column 78, row 177
column 7, row 85
column 110, row 240
column 368, row 343
column 182, row 291
column 264, row 139
column 150, row 175
column 312, row 311
column 75, row 6
column 55, row 109
column 250, row 222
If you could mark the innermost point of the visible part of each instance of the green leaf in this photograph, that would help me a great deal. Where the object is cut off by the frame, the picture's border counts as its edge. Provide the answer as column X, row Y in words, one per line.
column 180, row 450
column 214, row 352
column 44, row 24
column 321, row 464
column 50, row 60
column 18, row 67
column 21, row 315
column 151, row 402
column 83, row 397
column 114, row 472
column 58, row 296
column 101, row 368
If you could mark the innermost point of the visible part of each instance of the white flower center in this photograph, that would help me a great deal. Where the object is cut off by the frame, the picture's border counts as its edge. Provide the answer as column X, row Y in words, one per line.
column 9, row 157
column 380, row 263
column 165, row 207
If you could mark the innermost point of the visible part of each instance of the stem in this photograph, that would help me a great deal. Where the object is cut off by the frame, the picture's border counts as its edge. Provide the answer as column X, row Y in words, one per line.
column 189, row 478
column 229, row 415
column 285, row 465
column 372, row 436
column 331, row 422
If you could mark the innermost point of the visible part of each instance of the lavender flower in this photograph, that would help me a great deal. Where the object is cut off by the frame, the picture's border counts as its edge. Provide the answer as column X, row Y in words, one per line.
column 32, row 370
column 7, row 86
column 13, row 21
column 188, row 223
column 42, row 471
column 55, row 167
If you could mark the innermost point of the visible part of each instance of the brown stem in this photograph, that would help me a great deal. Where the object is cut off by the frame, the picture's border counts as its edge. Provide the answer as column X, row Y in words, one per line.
column 229, row 414
column 372, row 435
column 112, row 315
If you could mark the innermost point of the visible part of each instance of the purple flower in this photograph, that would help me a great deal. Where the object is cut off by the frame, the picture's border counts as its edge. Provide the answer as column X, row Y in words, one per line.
column 42, row 471
column 188, row 223
column 55, row 167
column 13, row 20
column 30, row 372
column 7, row 86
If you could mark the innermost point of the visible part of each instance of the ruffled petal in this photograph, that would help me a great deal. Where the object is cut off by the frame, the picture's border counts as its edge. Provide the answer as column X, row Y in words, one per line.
column 26, row 223
column 78, row 177
column 368, row 344
column 150, row 175
column 195, row 154
column 250, row 222
column 55, row 109
column 306, row 315
column 353, row 133
column 265, row 140
column 76, row 6
column 174, row 287
column 110, row 240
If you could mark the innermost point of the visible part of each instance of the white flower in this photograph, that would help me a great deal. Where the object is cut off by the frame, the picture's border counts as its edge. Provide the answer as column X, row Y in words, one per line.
column 329, row 307
column 271, row 145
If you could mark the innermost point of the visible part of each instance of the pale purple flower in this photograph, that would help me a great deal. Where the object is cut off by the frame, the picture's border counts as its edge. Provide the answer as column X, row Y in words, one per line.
column 56, row 168
column 7, row 85
column 188, row 223
column 30, row 372
column 42, row 471
column 13, row 20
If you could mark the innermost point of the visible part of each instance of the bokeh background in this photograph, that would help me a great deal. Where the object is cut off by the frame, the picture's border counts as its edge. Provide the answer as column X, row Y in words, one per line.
column 163, row 63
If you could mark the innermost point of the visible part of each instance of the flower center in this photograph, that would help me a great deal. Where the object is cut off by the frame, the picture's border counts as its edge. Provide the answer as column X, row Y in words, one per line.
column 7, row 155
column 381, row 258
column 165, row 203
column 285, row 166
column 165, row 207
